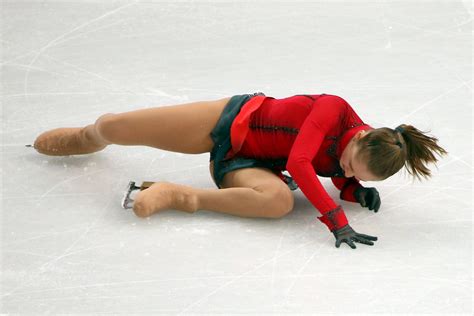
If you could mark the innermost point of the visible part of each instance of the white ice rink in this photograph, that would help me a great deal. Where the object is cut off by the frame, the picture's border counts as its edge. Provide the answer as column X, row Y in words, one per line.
column 67, row 246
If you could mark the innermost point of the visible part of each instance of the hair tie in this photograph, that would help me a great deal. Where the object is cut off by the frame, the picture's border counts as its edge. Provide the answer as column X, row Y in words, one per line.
column 399, row 129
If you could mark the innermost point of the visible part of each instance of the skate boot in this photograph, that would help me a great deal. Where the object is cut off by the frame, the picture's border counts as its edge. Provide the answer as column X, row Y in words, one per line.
column 65, row 142
column 157, row 196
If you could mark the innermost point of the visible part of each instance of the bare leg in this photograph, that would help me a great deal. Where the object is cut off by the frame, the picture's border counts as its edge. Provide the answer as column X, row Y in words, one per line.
column 258, row 193
column 244, row 202
column 183, row 128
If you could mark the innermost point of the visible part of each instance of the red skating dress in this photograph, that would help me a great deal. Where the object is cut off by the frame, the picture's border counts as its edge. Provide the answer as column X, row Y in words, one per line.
column 311, row 132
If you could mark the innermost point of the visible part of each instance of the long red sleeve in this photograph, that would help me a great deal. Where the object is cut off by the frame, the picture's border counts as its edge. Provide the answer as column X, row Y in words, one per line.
column 347, row 186
column 305, row 148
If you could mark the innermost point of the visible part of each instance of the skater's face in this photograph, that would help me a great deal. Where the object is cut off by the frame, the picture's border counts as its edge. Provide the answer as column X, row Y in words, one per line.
column 352, row 165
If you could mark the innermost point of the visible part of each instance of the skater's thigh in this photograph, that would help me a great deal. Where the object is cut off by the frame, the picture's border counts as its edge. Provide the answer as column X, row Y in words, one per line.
column 181, row 128
column 262, row 180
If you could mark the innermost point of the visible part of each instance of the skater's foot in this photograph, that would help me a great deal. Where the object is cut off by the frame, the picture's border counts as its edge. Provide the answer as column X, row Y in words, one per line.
column 165, row 195
column 66, row 141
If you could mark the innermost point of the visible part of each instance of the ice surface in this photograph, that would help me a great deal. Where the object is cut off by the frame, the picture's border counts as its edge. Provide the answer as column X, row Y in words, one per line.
column 68, row 247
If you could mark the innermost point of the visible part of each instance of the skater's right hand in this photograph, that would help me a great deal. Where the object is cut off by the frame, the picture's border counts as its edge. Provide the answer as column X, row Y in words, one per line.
column 348, row 235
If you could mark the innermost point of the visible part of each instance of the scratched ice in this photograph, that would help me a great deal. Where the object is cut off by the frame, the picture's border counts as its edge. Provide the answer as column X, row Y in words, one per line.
column 68, row 247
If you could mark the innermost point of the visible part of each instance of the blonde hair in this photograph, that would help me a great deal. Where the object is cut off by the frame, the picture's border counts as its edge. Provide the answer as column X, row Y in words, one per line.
column 386, row 151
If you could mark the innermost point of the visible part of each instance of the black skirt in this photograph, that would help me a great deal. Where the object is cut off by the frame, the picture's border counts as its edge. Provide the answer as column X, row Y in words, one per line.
column 222, row 143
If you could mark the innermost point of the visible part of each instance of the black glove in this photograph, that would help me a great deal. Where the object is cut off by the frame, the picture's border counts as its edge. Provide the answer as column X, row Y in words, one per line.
column 348, row 235
column 368, row 197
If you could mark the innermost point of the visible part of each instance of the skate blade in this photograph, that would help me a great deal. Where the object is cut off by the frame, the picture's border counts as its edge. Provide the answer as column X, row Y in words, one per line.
column 127, row 201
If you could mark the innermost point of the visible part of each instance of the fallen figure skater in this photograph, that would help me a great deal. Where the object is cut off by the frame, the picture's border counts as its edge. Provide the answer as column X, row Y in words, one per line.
column 252, row 139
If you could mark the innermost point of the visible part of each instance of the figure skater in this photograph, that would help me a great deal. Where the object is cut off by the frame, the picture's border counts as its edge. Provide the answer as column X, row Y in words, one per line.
column 252, row 139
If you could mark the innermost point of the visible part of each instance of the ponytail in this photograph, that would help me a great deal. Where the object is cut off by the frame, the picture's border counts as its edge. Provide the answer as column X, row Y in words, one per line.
column 420, row 149
column 386, row 151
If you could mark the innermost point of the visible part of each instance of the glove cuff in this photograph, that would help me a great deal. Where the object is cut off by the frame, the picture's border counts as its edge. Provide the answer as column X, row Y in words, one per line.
column 355, row 193
column 334, row 219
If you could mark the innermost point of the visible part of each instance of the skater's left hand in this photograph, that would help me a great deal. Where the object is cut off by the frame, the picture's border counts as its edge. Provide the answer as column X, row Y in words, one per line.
column 368, row 197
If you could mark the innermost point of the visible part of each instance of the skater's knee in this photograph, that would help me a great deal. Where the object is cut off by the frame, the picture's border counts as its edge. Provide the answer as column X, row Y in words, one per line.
column 278, row 200
column 280, row 203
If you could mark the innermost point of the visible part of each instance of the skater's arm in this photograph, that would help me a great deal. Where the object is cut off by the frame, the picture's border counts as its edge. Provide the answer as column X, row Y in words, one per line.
column 305, row 148
column 353, row 191
column 347, row 186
